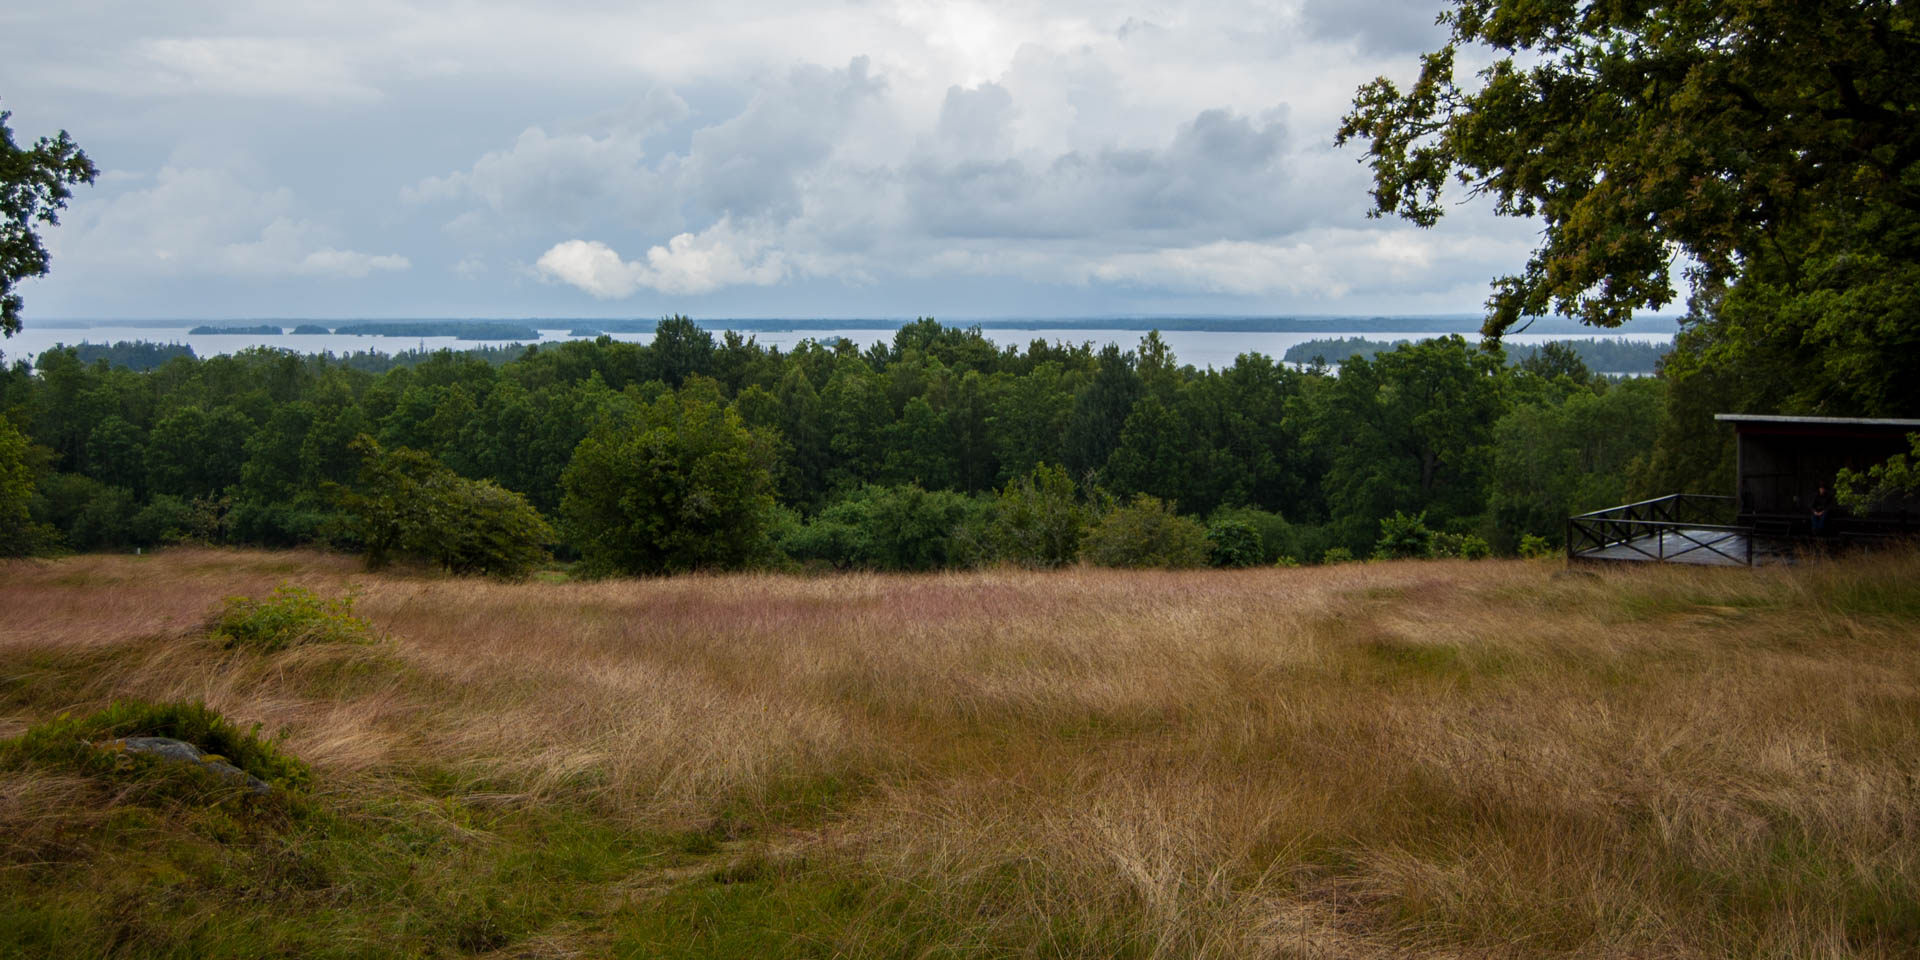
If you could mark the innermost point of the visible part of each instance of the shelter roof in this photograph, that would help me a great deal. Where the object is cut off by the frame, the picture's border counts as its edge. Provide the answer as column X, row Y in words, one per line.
column 1816, row 422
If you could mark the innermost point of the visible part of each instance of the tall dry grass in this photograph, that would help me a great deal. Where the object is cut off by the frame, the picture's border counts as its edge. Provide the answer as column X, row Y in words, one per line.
column 1428, row 759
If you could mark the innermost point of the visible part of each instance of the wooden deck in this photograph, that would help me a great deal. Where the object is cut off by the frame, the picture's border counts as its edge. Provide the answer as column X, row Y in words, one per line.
column 1704, row 546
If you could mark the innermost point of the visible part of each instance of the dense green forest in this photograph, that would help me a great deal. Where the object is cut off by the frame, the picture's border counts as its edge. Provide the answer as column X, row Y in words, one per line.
column 938, row 449
column 1606, row 356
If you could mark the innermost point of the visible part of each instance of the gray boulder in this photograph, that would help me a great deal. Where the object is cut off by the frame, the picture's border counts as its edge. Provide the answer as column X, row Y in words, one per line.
column 181, row 751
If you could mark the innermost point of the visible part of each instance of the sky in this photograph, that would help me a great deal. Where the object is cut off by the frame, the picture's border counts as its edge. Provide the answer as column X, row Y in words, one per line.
column 729, row 159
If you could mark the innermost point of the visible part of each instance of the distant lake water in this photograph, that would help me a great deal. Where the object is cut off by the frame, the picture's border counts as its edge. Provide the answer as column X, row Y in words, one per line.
column 1201, row 348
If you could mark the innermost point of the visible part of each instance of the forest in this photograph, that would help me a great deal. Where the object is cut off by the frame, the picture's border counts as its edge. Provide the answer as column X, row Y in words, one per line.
column 935, row 450
column 1605, row 356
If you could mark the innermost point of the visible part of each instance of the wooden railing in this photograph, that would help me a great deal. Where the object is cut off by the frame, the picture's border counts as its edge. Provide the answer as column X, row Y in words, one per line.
column 1664, row 528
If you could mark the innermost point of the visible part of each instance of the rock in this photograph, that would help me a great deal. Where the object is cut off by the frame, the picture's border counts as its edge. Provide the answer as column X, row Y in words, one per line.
column 181, row 751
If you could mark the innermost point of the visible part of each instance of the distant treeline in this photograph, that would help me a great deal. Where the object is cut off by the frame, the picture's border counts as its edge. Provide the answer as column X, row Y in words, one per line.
column 937, row 449
column 254, row 330
column 1602, row 355
column 461, row 329
column 310, row 329
column 144, row 355
column 1439, row 324
column 131, row 354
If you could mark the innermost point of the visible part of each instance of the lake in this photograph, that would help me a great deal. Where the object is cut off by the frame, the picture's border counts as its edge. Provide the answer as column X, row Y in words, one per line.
column 1201, row 348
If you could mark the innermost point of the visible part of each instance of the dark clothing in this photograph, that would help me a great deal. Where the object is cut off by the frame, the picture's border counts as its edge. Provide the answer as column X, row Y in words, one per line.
column 1822, row 505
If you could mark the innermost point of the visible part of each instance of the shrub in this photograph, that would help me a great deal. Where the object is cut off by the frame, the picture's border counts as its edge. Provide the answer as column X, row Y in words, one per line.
column 889, row 528
column 281, row 524
column 1337, row 555
column 19, row 533
column 1403, row 537
column 1278, row 537
column 1535, row 547
column 1466, row 546
column 1039, row 520
column 69, row 741
column 167, row 519
column 672, row 484
column 409, row 503
column 291, row 616
column 1233, row 543
column 1145, row 533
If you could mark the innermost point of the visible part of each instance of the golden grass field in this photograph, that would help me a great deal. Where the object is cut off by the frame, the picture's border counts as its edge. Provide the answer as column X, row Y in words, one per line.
column 1403, row 759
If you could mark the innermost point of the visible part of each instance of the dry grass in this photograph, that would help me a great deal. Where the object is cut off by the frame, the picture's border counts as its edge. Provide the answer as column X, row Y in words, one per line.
column 1441, row 759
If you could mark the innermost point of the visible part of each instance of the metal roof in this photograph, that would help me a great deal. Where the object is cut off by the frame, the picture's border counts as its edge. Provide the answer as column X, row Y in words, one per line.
column 1818, row 421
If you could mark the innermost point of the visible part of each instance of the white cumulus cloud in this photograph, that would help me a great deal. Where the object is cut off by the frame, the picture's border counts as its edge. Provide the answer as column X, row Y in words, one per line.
column 688, row 264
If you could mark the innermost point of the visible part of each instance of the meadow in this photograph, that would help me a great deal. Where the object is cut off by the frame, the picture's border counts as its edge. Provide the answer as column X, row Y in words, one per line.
column 1391, row 759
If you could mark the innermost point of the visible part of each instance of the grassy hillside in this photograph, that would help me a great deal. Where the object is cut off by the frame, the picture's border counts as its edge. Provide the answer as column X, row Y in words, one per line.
column 1439, row 759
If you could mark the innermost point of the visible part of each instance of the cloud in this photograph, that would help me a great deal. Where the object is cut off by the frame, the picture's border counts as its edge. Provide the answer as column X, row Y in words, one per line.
column 194, row 221
column 1323, row 264
column 688, row 264
column 1376, row 26
column 566, row 180
column 825, row 158
column 1218, row 175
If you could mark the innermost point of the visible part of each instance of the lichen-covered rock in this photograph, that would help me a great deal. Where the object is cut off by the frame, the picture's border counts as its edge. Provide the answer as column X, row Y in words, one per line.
column 183, row 752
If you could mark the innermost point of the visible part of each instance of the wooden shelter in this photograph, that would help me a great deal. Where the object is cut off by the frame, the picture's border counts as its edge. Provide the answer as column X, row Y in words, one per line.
column 1782, row 464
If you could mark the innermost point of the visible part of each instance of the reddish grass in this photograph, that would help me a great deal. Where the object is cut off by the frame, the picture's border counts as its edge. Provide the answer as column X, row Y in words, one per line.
column 1443, row 758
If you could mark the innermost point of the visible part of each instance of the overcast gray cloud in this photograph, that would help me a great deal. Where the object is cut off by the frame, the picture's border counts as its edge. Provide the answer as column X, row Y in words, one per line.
column 883, row 157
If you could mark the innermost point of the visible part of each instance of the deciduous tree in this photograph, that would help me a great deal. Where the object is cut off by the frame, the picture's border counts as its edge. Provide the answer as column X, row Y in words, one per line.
column 1770, row 145
column 35, row 184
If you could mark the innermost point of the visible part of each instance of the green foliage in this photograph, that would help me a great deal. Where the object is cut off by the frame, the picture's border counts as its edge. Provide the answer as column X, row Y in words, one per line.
column 292, row 615
column 1276, row 536
column 1554, row 356
column 73, row 742
column 93, row 515
column 1410, row 429
column 34, row 187
column 1404, row 537
column 1861, row 491
column 1465, row 546
column 1038, row 520
column 890, row 528
column 1552, row 460
column 166, row 519
column 19, row 533
column 1337, row 555
column 675, row 484
column 1772, row 146
column 1536, row 548
column 1233, row 543
column 1145, row 533
column 408, row 503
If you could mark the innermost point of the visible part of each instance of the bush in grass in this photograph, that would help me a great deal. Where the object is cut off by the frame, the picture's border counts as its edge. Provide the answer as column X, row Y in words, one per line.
column 1145, row 533
column 291, row 616
column 1403, row 537
column 409, row 503
column 1233, row 543
column 75, row 742
column 1337, row 555
column 1039, row 520
column 890, row 528
column 1535, row 547
column 1465, row 546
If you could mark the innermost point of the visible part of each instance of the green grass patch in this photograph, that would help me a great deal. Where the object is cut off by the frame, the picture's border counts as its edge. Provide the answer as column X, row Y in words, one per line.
column 292, row 615
column 77, row 744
